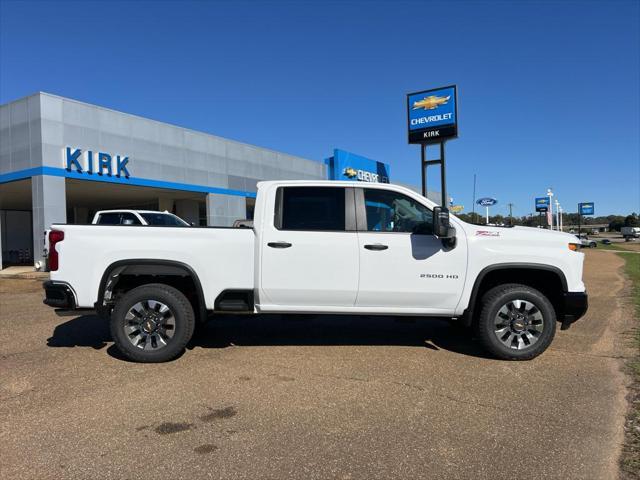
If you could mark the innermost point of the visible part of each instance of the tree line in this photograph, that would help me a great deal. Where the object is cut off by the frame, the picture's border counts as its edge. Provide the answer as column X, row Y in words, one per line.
column 615, row 222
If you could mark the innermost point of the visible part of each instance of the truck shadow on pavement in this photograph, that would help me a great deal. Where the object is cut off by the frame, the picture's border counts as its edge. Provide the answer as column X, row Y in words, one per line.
column 291, row 330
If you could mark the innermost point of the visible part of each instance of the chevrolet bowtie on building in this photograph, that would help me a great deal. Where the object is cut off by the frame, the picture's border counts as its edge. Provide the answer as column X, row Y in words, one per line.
column 350, row 172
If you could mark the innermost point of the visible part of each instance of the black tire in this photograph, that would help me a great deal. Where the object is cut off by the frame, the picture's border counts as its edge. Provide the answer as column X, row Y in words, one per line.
column 593, row 245
column 180, row 311
column 486, row 328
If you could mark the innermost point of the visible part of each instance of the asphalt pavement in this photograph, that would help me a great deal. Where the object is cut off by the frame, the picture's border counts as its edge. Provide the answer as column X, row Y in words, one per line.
column 312, row 398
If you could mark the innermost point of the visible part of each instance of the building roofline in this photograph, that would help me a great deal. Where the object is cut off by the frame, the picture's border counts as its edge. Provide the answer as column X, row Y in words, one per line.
column 199, row 132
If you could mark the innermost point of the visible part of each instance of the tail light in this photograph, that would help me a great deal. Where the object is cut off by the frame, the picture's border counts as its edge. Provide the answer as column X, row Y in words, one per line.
column 55, row 236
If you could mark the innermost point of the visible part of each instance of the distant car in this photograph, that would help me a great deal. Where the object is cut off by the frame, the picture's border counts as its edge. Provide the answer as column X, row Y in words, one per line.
column 138, row 217
column 128, row 217
column 585, row 241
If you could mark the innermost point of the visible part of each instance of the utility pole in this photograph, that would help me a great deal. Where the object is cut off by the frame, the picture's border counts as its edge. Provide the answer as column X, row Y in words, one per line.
column 473, row 204
column 510, row 205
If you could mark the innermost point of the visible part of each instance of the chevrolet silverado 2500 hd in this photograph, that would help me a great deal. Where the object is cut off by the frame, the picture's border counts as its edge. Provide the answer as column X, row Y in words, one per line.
column 321, row 247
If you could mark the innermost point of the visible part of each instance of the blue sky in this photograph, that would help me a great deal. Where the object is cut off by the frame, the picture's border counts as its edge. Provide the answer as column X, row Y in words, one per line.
column 549, row 92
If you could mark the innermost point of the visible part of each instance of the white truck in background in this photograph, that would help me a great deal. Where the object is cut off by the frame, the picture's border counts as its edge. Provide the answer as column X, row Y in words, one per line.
column 321, row 247
column 138, row 217
column 629, row 233
column 126, row 217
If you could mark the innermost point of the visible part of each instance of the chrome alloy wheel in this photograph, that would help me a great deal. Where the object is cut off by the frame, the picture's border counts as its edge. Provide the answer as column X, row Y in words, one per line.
column 149, row 325
column 519, row 324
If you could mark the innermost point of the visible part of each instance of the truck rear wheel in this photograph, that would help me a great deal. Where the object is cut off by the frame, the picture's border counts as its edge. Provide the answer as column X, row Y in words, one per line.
column 152, row 323
column 516, row 322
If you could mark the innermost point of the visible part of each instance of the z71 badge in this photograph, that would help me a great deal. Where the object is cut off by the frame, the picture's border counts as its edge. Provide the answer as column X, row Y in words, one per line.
column 487, row 233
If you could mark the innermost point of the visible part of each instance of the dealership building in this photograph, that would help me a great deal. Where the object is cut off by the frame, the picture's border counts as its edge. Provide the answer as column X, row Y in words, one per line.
column 61, row 160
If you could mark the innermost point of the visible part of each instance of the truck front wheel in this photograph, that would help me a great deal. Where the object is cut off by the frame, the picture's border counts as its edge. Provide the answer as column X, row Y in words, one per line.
column 516, row 322
column 152, row 323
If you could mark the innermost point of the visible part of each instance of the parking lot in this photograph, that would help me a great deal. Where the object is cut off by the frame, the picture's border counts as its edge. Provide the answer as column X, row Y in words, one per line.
column 312, row 397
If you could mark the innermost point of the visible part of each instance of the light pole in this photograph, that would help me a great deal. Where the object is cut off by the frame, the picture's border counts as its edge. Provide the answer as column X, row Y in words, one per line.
column 550, row 214
column 557, row 214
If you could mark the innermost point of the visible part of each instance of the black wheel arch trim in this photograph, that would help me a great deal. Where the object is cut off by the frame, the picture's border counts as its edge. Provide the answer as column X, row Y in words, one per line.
column 151, row 262
column 468, row 313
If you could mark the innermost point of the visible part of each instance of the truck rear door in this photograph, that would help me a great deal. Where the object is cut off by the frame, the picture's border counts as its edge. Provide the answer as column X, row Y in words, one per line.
column 310, row 250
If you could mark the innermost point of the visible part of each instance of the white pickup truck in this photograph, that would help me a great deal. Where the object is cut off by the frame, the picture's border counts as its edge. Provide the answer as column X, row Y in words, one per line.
column 321, row 247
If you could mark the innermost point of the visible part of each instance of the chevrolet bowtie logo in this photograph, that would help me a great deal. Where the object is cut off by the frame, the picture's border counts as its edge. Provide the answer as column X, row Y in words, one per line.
column 431, row 102
column 350, row 172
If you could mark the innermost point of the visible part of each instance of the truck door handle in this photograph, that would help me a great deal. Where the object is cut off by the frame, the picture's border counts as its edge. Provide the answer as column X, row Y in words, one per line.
column 376, row 246
column 278, row 244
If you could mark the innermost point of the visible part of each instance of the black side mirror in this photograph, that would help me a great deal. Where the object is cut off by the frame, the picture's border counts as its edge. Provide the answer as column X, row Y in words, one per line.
column 441, row 226
column 423, row 228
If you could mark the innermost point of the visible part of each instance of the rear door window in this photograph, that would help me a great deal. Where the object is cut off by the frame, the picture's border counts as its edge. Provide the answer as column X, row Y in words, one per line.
column 311, row 208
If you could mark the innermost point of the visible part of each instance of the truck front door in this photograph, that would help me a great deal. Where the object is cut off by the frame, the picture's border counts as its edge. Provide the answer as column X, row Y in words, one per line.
column 310, row 251
column 400, row 268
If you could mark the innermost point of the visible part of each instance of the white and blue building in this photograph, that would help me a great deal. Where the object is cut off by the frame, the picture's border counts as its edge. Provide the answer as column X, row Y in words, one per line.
column 61, row 160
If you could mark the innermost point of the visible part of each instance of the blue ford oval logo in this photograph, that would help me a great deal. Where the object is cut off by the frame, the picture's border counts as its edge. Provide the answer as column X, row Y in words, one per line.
column 487, row 202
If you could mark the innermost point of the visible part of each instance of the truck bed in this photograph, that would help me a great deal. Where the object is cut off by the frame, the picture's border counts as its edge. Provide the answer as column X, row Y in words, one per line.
column 222, row 258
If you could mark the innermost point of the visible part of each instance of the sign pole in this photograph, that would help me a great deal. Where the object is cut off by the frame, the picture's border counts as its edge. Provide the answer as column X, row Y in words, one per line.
column 423, row 167
column 473, row 205
column 487, row 215
column 579, row 221
column 443, row 179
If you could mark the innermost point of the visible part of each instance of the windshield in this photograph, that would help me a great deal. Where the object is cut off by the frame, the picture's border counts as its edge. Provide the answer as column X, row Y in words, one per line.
column 163, row 220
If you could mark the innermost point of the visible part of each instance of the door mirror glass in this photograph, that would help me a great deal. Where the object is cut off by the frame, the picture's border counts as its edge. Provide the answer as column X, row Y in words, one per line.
column 441, row 226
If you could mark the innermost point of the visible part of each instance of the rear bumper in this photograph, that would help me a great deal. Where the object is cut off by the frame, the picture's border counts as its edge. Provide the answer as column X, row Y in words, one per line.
column 59, row 295
column 575, row 305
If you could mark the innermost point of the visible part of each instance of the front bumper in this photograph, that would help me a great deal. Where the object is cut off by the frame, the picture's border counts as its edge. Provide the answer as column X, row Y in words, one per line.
column 59, row 295
column 575, row 305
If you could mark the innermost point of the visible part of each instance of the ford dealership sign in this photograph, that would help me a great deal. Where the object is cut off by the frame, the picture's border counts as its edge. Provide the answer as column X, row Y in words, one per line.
column 487, row 202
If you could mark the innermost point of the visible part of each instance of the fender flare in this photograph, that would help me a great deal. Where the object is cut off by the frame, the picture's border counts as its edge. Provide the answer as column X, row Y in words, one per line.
column 152, row 266
column 468, row 313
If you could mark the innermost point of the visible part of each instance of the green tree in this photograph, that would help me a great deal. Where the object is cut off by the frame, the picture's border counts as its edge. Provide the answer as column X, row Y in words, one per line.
column 631, row 220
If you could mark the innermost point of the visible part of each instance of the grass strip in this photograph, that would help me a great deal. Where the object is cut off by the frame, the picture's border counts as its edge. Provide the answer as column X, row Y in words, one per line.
column 630, row 461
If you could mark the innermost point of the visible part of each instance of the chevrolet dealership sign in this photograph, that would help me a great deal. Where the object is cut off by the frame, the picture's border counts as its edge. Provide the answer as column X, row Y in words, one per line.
column 432, row 115
column 349, row 166
column 87, row 161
